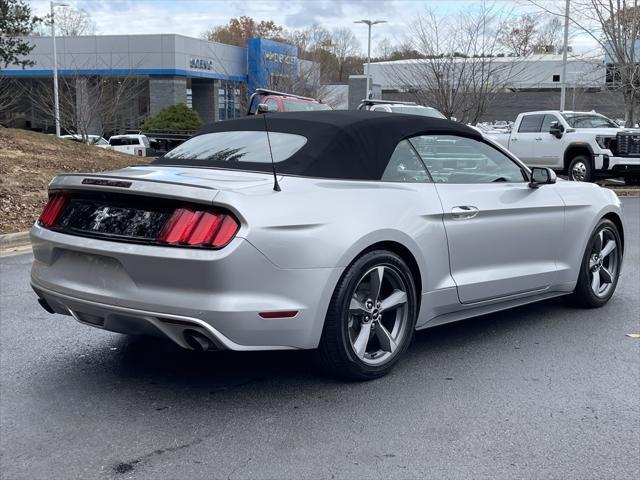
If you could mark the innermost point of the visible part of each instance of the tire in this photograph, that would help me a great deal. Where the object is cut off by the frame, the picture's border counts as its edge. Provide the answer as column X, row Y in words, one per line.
column 351, row 319
column 632, row 180
column 580, row 169
column 609, row 262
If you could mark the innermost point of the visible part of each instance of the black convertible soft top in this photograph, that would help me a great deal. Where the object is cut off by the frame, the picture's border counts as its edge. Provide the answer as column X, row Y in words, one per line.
column 344, row 144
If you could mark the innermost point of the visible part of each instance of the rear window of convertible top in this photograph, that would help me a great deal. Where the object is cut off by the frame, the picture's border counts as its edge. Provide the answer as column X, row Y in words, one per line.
column 232, row 149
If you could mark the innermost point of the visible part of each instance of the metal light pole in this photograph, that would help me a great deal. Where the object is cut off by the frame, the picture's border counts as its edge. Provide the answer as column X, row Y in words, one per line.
column 369, row 23
column 563, row 85
column 56, row 105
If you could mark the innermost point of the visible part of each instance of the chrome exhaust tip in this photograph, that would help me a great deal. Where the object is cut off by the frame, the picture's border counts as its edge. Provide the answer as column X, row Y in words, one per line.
column 198, row 341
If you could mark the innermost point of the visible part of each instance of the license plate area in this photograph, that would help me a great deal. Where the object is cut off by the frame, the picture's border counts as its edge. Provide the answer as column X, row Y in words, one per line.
column 117, row 216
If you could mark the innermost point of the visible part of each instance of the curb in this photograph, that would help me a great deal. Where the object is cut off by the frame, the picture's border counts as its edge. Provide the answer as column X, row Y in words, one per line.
column 626, row 192
column 14, row 240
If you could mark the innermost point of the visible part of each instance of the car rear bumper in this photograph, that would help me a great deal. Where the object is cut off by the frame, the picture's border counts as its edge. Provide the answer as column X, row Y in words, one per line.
column 170, row 291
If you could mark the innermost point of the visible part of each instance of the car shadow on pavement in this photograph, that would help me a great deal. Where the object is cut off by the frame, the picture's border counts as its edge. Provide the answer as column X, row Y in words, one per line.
column 162, row 362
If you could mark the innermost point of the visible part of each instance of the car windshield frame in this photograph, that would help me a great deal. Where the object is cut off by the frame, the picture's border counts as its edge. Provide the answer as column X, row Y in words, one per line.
column 573, row 118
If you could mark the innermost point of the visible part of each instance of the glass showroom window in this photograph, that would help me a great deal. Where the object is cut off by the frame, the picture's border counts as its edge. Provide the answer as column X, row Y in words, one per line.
column 229, row 100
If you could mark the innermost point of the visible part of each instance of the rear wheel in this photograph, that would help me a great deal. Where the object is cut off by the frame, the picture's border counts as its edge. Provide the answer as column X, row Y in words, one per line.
column 600, row 266
column 580, row 169
column 371, row 317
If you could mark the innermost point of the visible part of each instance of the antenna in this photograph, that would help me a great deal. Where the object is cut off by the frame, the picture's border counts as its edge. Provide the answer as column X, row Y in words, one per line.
column 276, row 187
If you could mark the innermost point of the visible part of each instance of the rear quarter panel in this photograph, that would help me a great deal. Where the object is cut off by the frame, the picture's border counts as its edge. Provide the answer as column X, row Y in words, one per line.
column 317, row 223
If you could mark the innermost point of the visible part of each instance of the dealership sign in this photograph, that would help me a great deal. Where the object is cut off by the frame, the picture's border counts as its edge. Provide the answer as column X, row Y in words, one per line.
column 279, row 58
column 201, row 64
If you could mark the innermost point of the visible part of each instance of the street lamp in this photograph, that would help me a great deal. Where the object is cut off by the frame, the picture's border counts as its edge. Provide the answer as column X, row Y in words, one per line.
column 56, row 105
column 563, row 85
column 369, row 23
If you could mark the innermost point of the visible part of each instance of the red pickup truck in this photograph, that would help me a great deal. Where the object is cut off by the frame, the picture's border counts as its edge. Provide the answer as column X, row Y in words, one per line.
column 283, row 102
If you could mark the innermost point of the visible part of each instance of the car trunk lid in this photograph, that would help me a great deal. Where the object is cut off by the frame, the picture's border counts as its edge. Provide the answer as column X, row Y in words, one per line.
column 134, row 204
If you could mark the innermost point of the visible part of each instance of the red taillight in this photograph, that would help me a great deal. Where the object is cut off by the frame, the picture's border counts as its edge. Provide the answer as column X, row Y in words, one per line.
column 52, row 210
column 199, row 228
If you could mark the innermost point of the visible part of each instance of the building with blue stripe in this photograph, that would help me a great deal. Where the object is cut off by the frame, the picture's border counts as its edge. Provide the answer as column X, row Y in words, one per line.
column 213, row 78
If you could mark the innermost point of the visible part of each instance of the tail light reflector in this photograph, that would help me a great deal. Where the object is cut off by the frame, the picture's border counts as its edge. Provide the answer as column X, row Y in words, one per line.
column 284, row 314
column 52, row 210
column 199, row 228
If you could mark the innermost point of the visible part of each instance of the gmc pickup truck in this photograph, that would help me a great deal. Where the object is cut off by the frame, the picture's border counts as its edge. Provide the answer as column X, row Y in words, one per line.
column 582, row 145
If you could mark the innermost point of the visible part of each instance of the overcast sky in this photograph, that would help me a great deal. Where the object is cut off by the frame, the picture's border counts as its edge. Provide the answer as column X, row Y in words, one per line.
column 192, row 17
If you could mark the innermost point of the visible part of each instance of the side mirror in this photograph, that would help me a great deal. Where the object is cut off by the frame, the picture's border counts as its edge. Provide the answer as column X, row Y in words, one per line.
column 542, row 176
column 263, row 108
column 556, row 129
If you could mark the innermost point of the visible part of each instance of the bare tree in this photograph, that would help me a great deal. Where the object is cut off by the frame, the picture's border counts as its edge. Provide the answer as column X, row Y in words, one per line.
column 458, row 73
column 615, row 26
column 8, row 97
column 518, row 35
column 344, row 45
column 70, row 22
column 90, row 104
column 549, row 35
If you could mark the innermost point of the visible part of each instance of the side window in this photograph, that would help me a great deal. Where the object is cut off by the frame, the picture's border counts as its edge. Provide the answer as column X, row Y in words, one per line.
column 452, row 159
column 405, row 166
column 530, row 124
column 546, row 123
column 272, row 104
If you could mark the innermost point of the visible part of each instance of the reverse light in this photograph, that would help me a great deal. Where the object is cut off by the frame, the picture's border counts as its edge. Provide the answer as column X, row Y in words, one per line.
column 191, row 227
column 52, row 209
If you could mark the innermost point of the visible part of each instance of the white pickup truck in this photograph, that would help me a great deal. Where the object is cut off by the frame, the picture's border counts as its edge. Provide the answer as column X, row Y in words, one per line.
column 583, row 145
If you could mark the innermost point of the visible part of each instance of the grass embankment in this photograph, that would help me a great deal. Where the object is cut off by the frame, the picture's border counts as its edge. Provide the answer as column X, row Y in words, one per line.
column 28, row 162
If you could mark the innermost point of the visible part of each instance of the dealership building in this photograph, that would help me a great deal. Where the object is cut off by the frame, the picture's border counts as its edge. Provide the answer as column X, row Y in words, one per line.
column 145, row 73
column 111, row 83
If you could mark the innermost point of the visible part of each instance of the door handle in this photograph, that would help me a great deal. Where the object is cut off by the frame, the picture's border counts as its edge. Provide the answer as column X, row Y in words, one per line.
column 464, row 212
column 514, row 139
column 539, row 139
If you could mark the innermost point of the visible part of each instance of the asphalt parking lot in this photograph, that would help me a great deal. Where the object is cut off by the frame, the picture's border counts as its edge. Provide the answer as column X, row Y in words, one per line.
column 543, row 391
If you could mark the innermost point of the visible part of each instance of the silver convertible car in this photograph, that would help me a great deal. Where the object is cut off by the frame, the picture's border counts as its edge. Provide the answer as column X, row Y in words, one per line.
column 339, row 231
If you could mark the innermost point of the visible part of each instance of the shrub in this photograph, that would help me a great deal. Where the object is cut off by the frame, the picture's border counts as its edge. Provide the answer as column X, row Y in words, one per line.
column 174, row 117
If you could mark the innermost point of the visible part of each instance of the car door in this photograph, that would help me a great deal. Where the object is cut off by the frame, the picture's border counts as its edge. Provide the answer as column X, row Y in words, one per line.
column 523, row 140
column 549, row 149
column 503, row 235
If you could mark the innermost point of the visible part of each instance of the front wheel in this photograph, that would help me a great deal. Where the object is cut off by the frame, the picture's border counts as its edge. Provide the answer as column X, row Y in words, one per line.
column 600, row 266
column 580, row 169
column 371, row 317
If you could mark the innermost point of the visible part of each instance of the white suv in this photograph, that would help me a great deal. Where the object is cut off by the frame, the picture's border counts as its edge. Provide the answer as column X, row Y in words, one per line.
column 132, row 144
column 411, row 108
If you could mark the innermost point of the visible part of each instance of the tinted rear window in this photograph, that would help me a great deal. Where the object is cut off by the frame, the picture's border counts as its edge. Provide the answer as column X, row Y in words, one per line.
column 231, row 149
